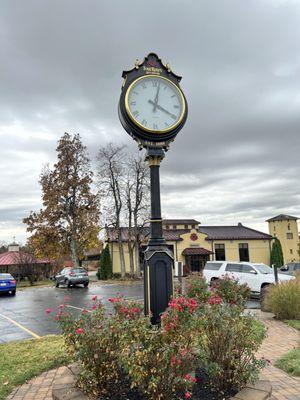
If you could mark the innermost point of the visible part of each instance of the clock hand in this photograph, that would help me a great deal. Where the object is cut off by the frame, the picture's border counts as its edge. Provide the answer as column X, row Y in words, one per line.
column 162, row 109
column 156, row 98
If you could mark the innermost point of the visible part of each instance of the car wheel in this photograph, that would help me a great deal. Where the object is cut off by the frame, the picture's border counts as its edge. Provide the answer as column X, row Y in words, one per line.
column 68, row 283
column 263, row 294
column 56, row 284
column 213, row 280
column 86, row 284
column 13, row 292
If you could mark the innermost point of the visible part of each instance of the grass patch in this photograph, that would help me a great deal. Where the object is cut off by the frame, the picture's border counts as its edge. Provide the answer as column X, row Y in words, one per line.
column 294, row 323
column 23, row 360
column 26, row 284
column 290, row 362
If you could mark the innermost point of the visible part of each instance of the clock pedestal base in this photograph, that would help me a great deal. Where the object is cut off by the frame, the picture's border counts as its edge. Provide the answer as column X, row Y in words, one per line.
column 159, row 262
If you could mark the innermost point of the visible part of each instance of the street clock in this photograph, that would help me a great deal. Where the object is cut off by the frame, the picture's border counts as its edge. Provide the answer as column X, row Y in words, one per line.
column 152, row 106
column 153, row 109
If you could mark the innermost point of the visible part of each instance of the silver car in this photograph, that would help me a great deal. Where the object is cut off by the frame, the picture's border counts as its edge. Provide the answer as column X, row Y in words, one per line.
column 290, row 268
column 72, row 276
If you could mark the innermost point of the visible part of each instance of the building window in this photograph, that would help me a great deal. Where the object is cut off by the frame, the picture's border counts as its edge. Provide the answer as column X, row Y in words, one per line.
column 174, row 226
column 186, row 226
column 220, row 252
column 244, row 251
column 291, row 251
column 289, row 235
column 274, row 228
column 193, row 226
column 289, row 226
column 167, row 227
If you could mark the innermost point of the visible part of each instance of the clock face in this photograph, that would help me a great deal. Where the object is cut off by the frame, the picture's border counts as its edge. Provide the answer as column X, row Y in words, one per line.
column 155, row 104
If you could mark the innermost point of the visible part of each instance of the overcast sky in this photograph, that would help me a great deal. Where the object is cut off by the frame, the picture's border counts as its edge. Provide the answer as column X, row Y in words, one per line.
column 237, row 158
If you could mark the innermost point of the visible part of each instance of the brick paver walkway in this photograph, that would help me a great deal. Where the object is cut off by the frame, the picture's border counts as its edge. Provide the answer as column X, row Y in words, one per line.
column 281, row 339
column 39, row 388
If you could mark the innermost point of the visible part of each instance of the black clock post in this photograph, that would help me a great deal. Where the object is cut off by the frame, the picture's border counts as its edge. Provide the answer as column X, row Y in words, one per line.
column 155, row 136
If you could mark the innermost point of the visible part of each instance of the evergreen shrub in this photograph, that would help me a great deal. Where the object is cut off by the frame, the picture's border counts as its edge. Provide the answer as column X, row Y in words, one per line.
column 105, row 268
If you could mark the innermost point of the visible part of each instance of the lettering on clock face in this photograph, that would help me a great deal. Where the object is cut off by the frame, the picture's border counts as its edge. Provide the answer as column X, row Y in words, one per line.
column 155, row 103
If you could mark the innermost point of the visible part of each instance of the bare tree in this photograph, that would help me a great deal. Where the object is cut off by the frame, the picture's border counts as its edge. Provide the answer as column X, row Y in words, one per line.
column 111, row 184
column 137, row 208
column 27, row 265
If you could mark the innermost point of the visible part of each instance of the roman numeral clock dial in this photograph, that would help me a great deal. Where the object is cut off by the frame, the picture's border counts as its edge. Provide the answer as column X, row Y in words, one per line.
column 155, row 104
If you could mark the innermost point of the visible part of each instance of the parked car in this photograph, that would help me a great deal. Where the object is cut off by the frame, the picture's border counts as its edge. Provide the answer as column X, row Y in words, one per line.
column 72, row 277
column 8, row 284
column 290, row 268
column 256, row 276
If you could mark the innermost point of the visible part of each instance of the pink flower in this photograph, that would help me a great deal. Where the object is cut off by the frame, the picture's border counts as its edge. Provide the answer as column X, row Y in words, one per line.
column 79, row 331
column 48, row 311
column 187, row 395
column 187, row 377
column 61, row 306
column 114, row 299
column 94, row 307
column 215, row 299
column 94, row 298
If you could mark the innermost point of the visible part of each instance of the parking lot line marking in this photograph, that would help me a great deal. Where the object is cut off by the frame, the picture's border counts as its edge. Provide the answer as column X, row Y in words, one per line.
column 21, row 326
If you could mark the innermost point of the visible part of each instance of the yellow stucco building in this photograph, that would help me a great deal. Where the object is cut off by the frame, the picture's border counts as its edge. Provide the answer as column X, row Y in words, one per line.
column 194, row 244
column 285, row 228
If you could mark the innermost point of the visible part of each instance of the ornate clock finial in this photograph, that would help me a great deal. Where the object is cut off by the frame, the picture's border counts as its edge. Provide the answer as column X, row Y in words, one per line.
column 168, row 67
column 137, row 64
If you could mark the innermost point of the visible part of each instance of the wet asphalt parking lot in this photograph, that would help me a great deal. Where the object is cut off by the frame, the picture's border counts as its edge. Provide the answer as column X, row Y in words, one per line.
column 23, row 316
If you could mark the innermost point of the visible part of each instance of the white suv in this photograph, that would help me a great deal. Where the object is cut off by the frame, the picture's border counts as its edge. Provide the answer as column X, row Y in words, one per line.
column 256, row 276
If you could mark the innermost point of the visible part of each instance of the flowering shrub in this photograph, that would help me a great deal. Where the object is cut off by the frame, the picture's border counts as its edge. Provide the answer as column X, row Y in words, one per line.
column 197, row 288
column 231, row 291
column 123, row 348
column 160, row 361
column 121, row 351
column 228, row 352
column 93, row 340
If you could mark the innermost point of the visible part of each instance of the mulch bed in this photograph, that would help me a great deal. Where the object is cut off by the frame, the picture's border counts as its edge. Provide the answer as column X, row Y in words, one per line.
column 202, row 390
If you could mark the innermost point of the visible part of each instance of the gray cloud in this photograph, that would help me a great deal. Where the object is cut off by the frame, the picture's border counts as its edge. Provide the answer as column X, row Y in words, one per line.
column 237, row 158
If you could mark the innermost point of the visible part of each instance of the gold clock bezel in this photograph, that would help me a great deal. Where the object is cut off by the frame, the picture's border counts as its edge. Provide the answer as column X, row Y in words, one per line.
column 129, row 113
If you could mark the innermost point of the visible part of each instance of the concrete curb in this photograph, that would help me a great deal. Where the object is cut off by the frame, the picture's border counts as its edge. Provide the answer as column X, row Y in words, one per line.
column 64, row 388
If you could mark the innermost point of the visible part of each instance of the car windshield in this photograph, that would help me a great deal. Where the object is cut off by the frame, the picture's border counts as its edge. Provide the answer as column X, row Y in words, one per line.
column 6, row 276
column 263, row 268
column 79, row 270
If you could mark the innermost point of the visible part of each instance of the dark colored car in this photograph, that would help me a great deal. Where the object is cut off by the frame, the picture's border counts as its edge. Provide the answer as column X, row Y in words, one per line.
column 72, row 277
column 290, row 268
column 8, row 284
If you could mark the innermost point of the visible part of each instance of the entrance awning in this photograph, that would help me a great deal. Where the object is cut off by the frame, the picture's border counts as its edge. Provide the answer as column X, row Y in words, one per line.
column 196, row 251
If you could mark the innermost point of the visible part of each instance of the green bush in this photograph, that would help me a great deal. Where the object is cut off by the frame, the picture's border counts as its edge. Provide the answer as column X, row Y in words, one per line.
column 231, row 291
column 228, row 352
column 284, row 299
column 105, row 268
